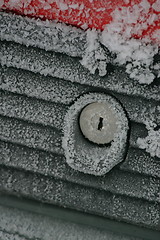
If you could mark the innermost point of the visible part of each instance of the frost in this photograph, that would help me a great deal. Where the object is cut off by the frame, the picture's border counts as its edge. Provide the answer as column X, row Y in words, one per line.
column 136, row 54
column 90, row 158
column 48, row 35
column 95, row 57
column 156, row 35
column 119, row 37
column 152, row 142
column 63, row 6
column 17, row 224
column 1, row 3
column 157, row 69
column 18, row 3
column 156, row 6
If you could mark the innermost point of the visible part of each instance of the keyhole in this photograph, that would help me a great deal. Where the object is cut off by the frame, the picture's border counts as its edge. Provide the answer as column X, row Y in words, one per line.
column 100, row 124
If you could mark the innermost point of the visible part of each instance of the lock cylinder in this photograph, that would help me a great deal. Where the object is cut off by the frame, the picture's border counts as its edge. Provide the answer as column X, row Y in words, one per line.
column 98, row 122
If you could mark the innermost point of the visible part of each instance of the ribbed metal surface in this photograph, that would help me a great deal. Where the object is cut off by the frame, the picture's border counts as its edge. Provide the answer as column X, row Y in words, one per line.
column 46, row 35
column 36, row 89
column 21, row 225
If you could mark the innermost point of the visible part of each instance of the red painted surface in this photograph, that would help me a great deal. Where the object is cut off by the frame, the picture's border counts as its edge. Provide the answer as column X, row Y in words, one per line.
column 80, row 13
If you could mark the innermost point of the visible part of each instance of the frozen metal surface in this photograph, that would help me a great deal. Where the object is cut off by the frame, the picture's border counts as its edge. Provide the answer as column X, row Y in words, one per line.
column 36, row 89
column 18, row 224
column 89, row 157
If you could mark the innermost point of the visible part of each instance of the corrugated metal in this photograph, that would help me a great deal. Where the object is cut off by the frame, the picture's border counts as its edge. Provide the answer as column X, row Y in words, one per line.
column 36, row 89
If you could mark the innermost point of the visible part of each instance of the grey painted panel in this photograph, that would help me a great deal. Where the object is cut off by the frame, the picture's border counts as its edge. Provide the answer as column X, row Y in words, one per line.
column 137, row 110
column 19, row 225
column 39, row 86
column 30, row 134
column 23, row 157
column 33, row 110
column 36, row 88
column 51, row 165
column 50, row 36
column 62, row 193
column 69, row 69
column 140, row 161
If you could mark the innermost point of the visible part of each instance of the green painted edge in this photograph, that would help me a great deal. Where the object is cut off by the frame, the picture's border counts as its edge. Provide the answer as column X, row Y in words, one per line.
column 78, row 217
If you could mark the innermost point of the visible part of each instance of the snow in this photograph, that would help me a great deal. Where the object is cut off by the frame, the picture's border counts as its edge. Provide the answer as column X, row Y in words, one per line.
column 151, row 143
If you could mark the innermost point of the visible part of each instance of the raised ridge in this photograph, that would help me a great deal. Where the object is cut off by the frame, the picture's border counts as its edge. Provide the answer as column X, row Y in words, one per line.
column 48, row 35
column 34, row 110
column 48, row 137
column 48, row 88
column 68, row 68
column 36, row 88
column 62, row 92
column 140, row 161
column 21, row 224
column 21, row 156
column 51, row 165
column 47, row 189
column 10, row 236
column 31, row 135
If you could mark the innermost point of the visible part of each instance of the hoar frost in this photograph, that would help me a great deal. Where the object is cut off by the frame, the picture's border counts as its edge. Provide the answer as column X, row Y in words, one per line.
column 90, row 158
column 116, row 43
column 95, row 57
column 137, row 55
column 152, row 142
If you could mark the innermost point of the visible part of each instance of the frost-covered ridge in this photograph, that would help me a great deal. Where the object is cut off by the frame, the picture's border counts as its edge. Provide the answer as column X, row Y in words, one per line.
column 114, row 44
column 37, row 84
column 88, row 199
column 89, row 158
column 152, row 142
column 69, row 69
column 48, row 35
column 136, row 54
column 18, row 224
